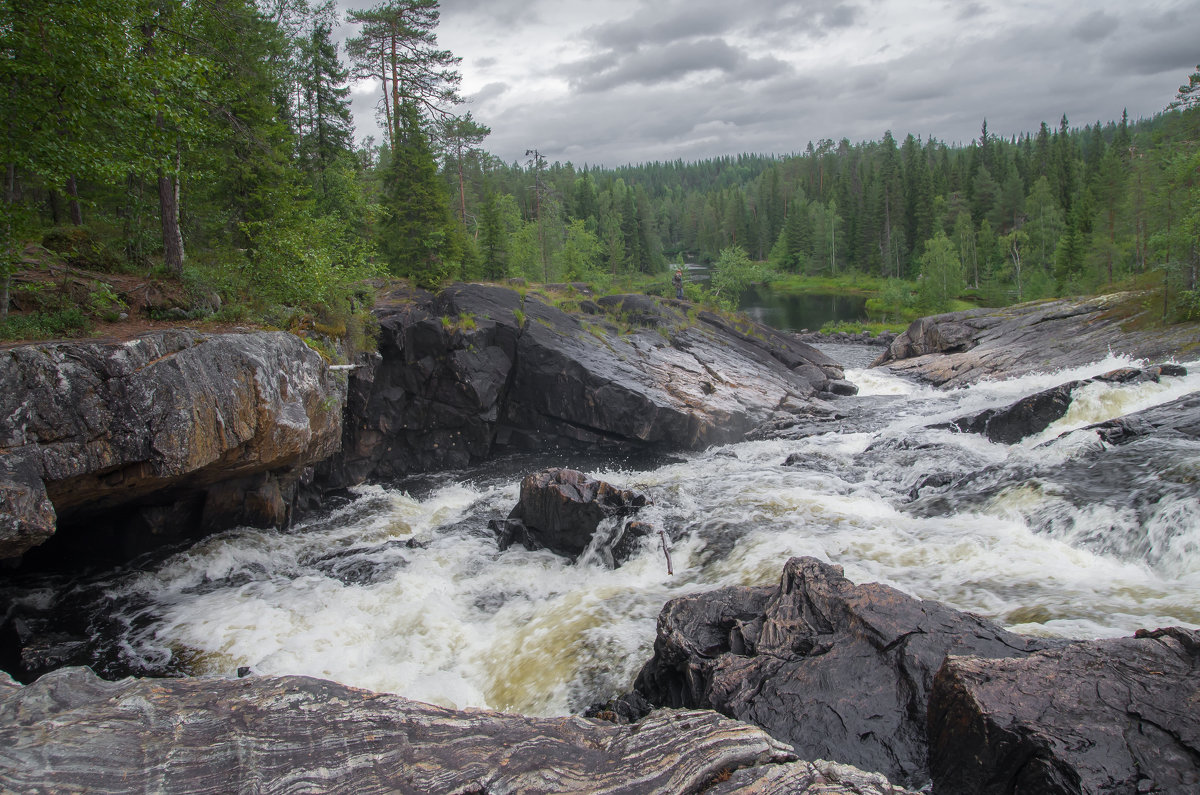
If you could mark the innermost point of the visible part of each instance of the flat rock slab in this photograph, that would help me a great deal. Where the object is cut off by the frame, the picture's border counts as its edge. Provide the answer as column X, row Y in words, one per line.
column 1108, row 716
column 840, row 671
column 960, row 348
column 71, row 731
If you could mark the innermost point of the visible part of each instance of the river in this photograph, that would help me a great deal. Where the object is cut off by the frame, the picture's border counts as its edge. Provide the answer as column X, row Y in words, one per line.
column 404, row 589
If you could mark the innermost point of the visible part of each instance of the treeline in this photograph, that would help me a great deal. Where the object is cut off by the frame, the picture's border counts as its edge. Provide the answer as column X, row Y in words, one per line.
column 214, row 141
column 1059, row 211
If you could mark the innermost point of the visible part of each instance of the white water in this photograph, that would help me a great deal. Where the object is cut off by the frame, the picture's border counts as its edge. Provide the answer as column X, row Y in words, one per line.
column 451, row 620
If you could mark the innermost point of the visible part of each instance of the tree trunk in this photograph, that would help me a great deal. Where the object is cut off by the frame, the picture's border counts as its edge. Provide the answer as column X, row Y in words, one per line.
column 395, row 94
column 168, row 202
column 73, row 208
column 387, row 108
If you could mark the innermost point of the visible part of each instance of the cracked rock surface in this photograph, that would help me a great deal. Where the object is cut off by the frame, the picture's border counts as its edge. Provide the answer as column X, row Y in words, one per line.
column 1106, row 716
column 840, row 671
column 72, row 732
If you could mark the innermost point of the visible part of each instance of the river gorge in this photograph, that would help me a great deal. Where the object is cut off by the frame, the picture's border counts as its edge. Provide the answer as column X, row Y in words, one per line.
column 403, row 588
column 400, row 585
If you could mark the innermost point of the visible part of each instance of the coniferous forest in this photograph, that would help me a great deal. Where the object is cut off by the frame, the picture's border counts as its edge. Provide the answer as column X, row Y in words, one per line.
column 212, row 144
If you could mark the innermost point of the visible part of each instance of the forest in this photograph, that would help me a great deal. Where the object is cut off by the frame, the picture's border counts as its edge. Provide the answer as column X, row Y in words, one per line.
column 211, row 144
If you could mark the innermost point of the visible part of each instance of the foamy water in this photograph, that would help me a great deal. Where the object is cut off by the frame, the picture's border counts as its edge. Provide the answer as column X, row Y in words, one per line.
column 409, row 593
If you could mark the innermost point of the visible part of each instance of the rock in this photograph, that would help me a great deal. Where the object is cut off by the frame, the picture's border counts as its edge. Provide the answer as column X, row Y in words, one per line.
column 561, row 509
column 478, row 371
column 1029, row 415
column 96, row 432
column 1033, row 414
column 1178, row 419
column 71, row 731
column 1118, row 715
column 840, row 671
column 962, row 348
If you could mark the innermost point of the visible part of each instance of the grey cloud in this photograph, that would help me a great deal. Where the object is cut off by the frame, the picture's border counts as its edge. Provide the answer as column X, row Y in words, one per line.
column 489, row 92
column 968, row 10
column 1162, row 52
column 654, row 65
column 664, row 24
column 1095, row 27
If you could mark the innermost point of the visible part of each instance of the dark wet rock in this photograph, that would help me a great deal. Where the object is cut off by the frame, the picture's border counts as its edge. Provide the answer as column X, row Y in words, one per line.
column 840, row 671
column 71, row 731
column 561, row 509
column 962, row 348
column 105, row 437
column 479, row 371
column 1107, row 716
column 840, row 386
column 1029, row 415
column 1033, row 414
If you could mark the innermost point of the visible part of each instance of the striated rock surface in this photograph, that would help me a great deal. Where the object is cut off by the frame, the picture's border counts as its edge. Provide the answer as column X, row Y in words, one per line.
column 1108, row 716
column 480, row 370
column 561, row 509
column 840, row 671
column 962, row 348
column 71, row 731
column 178, row 428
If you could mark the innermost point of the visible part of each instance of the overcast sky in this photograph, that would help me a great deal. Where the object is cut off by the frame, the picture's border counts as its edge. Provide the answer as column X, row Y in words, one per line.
column 609, row 82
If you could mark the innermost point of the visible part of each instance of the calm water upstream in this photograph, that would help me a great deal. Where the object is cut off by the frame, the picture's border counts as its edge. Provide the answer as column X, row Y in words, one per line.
column 406, row 590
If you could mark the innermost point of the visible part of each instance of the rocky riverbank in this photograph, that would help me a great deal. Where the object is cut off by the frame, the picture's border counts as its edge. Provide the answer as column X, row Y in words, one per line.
column 134, row 444
column 961, row 348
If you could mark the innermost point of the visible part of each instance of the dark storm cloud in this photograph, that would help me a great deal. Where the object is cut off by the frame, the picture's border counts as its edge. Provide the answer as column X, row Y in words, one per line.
column 655, row 65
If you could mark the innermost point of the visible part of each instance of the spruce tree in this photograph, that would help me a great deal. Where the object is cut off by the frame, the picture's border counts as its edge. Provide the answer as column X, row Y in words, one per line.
column 414, row 232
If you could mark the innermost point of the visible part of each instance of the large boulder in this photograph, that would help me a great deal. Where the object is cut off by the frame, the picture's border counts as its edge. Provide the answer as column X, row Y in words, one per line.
column 1108, row 716
column 477, row 370
column 960, row 348
column 226, row 424
column 561, row 509
column 73, row 732
column 840, row 671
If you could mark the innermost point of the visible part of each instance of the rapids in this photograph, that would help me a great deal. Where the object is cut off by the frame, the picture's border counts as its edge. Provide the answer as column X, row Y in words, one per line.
column 403, row 588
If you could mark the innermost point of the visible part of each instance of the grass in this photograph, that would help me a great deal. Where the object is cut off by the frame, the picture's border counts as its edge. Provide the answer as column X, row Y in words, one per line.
column 875, row 327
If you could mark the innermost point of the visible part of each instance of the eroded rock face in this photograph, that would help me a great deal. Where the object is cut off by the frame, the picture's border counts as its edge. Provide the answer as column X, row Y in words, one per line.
column 71, row 731
column 840, row 671
column 561, row 509
column 1107, row 716
column 961, row 348
column 155, row 421
column 479, row 370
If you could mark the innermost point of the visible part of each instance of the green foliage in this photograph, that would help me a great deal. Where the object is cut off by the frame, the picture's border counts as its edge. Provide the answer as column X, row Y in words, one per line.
column 733, row 273
column 66, row 322
column 941, row 274
column 414, row 230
